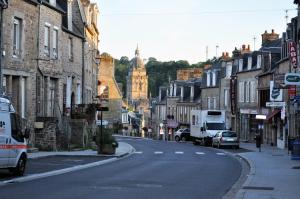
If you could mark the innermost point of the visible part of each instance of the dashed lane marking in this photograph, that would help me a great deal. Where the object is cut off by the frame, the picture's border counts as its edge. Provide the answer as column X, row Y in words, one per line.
column 138, row 152
column 200, row 153
column 158, row 152
column 220, row 153
column 178, row 152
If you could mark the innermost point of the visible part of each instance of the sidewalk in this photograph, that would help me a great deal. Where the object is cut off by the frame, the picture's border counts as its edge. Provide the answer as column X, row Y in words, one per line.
column 122, row 150
column 271, row 175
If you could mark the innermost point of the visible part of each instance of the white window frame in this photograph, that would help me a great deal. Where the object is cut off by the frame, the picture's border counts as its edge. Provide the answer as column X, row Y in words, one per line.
column 241, row 91
column 208, row 79
column 17, row 37
column 225, row 98
column 55, row 43
column 258, row 61
column 47, row 40
column 252, row 91
column 249, row 63
column 228, row 70
column 240, row 64
column 247, row 91
column 214, row 78
column 208, row 103
column 214, row 103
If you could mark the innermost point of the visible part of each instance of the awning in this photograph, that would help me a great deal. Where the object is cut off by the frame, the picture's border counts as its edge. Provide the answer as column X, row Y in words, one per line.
column 272, row 114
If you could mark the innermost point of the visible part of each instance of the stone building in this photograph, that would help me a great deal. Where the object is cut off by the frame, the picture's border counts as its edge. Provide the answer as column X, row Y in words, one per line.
column 91, row 52
column 189, row 73
column 137, row 87
column 19, row 60
column 108, row 89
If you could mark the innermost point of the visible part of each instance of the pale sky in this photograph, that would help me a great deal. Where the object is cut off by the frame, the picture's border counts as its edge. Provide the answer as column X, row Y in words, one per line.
column 181, row 29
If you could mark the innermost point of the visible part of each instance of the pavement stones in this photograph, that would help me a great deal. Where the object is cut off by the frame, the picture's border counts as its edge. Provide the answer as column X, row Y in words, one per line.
column 272, row 174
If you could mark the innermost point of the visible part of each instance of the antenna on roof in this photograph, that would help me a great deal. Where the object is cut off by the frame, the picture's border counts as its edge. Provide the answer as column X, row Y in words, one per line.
column 254, row 39
column 286, row 16
column 206, row 53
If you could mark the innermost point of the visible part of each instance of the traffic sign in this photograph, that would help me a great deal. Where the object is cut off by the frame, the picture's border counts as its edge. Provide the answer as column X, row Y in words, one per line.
column 292, row 79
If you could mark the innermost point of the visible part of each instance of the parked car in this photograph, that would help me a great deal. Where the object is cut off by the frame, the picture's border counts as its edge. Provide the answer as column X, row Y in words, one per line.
column 182, row 134
column 226, row 138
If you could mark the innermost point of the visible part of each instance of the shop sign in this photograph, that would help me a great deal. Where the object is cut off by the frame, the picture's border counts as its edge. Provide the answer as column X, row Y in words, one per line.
column 292, row 79
column 292, row 91
column 275, row 93
column 275, row 104
column 293, row 53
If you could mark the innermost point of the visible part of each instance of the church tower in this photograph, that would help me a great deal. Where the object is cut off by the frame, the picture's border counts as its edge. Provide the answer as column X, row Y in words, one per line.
column 137, row 80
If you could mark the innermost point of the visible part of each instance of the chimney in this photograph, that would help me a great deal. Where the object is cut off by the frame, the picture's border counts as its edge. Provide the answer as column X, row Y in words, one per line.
column 227, row 54
column 269, row 36
column 243, row 47
column 248, row 47
column 69, row 11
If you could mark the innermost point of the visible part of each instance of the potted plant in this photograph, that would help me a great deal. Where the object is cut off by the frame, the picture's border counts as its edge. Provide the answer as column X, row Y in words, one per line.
column 106, row 143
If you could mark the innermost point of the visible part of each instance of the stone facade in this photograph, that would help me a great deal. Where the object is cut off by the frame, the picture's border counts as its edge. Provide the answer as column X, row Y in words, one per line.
column 189, row 73
column 109, row 90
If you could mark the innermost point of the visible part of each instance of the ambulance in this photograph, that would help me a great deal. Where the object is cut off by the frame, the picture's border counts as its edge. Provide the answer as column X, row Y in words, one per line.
column 13, row 146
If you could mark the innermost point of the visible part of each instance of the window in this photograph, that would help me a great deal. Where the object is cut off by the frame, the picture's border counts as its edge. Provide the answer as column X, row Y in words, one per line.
column 247, row 89
column 258, row 61
column 208, row 103
column 70, row 49
column 241, row 91
column 252, row 91
column 226, row 98
column 47, row 40
column 249, row 63
column 193, row 120
column 214, row 78
column 55, row 43
column 228, row 70
column 53, row 2
column 240, row 64
column 208, row 79
column 78, row 94
column 16, row 128
column 17, row 37
column 214, row 103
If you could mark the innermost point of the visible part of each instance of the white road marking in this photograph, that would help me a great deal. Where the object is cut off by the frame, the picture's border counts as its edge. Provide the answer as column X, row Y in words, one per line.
column 158, row 152
column 221, row 154
column 138, row 152
column 178, row 152
column 200, row 153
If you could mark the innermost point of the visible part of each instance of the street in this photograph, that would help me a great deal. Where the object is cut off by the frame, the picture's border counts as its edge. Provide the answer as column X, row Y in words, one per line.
column 157, row 169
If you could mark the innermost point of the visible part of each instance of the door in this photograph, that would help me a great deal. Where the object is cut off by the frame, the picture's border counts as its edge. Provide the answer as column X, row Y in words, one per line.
column 4, row 138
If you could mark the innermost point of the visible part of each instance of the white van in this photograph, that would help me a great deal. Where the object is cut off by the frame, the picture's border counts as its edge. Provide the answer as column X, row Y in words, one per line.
column 13, row 146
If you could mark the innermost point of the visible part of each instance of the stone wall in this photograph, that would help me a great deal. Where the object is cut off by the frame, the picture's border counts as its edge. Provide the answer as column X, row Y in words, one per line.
column 45, row 139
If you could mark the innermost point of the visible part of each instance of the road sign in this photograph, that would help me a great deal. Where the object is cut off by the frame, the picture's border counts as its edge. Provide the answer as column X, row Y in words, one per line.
column 275, row 104
column 292, row 79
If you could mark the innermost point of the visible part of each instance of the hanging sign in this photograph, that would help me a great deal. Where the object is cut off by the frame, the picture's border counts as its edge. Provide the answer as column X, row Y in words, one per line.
column 293, row 54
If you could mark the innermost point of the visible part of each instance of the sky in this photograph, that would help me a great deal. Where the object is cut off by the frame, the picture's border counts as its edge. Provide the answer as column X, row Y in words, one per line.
column 183, row 29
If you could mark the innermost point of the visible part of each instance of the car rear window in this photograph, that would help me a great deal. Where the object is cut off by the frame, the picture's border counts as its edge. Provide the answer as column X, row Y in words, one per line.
column 229, row 134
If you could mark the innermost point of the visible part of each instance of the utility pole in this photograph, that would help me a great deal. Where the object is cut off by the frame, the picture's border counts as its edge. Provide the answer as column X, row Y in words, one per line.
column 217, row 46
column 254, row 39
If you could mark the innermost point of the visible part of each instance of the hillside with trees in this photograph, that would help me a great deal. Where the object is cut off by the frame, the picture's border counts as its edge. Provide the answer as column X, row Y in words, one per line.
column 159, row 73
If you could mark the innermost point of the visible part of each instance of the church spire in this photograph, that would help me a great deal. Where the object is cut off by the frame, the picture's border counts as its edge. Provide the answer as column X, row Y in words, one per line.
column 137, row 51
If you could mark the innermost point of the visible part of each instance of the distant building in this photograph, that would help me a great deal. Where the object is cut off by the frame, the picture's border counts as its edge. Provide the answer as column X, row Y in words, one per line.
column 109, row 90
column 189, row 73
column 137, row 88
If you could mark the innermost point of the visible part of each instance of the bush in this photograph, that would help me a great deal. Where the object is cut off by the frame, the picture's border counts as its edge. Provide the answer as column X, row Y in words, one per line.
column 107, row 138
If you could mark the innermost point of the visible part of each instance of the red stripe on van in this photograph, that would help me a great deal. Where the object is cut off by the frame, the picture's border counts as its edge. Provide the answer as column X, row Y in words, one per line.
column 13, row 146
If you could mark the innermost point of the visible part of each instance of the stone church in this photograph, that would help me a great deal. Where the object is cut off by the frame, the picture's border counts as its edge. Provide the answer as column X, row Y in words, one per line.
column 137, row 88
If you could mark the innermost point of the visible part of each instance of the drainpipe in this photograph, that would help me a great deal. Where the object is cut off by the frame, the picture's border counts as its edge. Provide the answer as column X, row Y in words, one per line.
column 83, row 66
column 1, row 50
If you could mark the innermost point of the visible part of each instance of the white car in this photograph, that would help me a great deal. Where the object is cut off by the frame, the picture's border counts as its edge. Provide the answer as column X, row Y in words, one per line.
column 182, row 134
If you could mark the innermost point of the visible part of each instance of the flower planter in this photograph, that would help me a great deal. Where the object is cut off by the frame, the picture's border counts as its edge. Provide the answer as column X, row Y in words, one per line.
column 107, row 149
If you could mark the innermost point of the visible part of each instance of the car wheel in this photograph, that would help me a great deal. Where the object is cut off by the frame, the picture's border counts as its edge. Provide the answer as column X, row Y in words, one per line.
column 20, row 168
column 177, row 138
column 183, row 139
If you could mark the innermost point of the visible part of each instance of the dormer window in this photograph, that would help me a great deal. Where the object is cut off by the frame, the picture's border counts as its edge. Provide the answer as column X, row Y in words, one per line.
column 214, row 79
column 208, row 78
column 258, row 61
column 249, row 63
column 241, row 65
column 53, row 2
column 228, row 70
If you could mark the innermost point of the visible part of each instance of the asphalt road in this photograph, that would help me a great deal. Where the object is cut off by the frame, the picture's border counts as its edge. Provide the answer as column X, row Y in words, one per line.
column 158, row 169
